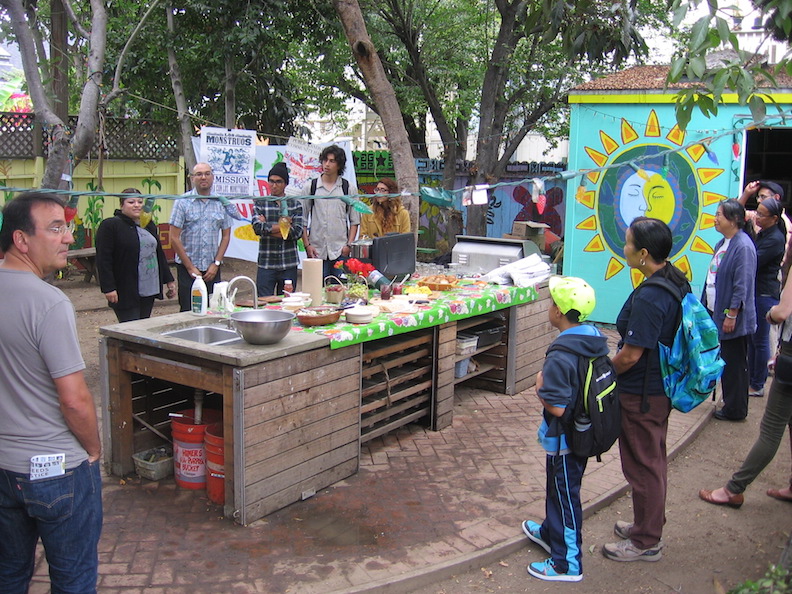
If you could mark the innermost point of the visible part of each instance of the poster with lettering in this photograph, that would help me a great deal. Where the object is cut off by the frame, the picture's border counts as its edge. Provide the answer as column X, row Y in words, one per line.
column 302, row 160
column 232, row 156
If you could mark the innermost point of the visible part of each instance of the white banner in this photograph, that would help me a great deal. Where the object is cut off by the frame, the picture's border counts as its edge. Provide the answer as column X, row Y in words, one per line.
column 300, row 160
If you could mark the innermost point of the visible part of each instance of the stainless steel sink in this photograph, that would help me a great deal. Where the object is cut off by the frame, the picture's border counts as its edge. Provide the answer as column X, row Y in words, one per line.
column 215, row 335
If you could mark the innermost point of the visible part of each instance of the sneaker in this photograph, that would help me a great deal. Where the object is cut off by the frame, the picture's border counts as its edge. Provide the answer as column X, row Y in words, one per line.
column 544, row 570
column 534, row 532
column 622, row 529
column 756, row 393
column 625, row 550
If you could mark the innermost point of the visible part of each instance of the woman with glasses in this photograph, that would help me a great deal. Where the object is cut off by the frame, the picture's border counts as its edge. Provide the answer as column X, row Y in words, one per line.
column 130, row 262
column 389, row 215
column 770, row 246
column 729, row 296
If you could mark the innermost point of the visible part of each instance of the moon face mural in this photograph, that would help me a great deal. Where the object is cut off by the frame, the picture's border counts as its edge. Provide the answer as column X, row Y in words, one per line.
column 658, row 179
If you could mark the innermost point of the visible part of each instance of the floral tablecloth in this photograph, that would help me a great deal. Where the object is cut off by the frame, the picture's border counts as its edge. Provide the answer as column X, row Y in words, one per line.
column 466, row 301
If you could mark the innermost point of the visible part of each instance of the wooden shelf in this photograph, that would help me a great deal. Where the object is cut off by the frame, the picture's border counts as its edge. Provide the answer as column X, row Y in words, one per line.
column 483, row 368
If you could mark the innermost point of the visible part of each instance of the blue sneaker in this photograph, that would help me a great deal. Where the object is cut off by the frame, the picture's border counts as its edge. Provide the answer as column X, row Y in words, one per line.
column 534, row 532
column 544, row 570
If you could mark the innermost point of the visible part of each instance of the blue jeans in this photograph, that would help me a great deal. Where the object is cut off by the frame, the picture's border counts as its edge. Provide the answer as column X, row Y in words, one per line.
column 759, row 343
column 66, row 513
column 270, row 282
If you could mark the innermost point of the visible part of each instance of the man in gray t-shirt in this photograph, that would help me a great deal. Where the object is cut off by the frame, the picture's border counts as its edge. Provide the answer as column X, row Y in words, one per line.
column 50, row 485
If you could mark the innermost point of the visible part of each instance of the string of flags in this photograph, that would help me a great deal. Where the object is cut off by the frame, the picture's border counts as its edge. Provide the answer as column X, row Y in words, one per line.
column 441, row 197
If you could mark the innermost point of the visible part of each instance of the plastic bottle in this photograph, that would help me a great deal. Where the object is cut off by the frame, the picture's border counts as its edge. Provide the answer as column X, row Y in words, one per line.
column 199, row 296
column 288, row 286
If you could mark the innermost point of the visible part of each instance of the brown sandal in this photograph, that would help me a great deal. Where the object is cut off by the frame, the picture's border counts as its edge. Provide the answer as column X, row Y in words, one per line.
column 776, row 494
column 734, row 501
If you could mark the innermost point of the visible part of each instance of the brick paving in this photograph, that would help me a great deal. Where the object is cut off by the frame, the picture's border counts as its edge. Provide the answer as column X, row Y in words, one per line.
column 424, row 504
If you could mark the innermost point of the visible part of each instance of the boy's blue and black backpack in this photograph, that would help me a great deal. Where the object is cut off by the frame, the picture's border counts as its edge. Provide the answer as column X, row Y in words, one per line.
column 692, row 365
column 593, row 423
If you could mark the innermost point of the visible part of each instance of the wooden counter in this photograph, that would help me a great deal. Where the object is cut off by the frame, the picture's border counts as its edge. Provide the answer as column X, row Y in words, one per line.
column 295, row 413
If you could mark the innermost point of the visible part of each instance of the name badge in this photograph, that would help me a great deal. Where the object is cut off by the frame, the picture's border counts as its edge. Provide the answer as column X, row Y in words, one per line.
column 47, row 465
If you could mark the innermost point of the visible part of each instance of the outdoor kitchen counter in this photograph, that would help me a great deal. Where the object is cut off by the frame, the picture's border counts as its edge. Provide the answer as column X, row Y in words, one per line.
column 296, row 412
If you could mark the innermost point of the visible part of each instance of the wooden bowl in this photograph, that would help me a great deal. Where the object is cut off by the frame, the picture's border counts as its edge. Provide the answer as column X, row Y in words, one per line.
column 318, row 316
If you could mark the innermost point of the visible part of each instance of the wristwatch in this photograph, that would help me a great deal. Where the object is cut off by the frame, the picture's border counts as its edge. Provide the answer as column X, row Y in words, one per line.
column 218, row 262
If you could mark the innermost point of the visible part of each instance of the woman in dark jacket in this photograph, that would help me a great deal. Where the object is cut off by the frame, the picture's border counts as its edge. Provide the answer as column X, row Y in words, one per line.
column 648, row 317
column 770, row 246
column 729, row 295
column 131, row 264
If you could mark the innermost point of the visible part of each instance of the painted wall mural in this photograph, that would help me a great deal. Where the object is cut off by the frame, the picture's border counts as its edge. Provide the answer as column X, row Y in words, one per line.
column 653, row 169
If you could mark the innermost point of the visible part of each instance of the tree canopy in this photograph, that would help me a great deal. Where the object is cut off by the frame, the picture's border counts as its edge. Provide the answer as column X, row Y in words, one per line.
column 738, row 71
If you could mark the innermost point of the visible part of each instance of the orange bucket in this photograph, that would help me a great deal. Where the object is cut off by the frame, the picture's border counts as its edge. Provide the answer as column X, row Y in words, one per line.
column 189, row 459
column 215, row 463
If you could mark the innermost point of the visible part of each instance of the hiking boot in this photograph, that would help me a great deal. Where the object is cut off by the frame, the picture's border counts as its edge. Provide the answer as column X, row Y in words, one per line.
column 625, row 550
column 545, row 570
column 534, row 532
column 622, row 529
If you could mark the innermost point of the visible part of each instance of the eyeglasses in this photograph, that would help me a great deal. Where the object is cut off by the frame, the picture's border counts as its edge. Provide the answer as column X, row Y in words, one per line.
column 277, row 181
column 203, row 174
column 61, row 229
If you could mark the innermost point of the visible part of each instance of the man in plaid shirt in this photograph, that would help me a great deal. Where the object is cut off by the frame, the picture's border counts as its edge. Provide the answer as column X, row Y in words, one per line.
column 278, row 258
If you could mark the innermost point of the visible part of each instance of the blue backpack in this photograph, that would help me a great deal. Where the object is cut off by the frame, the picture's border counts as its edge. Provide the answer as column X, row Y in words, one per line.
column 692, row 365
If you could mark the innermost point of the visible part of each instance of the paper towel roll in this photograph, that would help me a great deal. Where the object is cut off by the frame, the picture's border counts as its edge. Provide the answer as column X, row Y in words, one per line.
column 312, row 279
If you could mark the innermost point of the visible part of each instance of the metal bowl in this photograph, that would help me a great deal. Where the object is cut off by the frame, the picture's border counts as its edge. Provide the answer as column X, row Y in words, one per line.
column 262, row 326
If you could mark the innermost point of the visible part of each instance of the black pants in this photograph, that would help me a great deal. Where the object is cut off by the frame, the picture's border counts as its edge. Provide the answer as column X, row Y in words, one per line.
column 139, row 312
column 734, row 381
column 185, row 286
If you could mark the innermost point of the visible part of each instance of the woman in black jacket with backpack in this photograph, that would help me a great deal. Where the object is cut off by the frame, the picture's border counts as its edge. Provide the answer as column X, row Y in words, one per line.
column 649, row 316
column 130, row 262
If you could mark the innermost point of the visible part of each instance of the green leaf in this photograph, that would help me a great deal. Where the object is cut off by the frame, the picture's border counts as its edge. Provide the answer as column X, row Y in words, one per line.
column 722, row 26
column 758, row 108
column 698, row 35
column 698, row 66
column 677, row 67
column 680, row 12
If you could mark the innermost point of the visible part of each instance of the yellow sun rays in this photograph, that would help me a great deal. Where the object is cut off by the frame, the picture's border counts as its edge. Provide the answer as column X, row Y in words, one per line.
column 588, row 198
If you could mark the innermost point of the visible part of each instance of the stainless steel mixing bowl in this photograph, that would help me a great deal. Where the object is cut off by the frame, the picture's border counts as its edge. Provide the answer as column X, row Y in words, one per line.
column 262, row 326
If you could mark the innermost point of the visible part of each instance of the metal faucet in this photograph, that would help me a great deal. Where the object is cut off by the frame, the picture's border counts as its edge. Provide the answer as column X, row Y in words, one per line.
column 230, row 296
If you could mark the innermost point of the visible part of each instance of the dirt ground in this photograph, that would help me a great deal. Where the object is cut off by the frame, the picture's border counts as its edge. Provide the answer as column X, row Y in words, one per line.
column 708, row 548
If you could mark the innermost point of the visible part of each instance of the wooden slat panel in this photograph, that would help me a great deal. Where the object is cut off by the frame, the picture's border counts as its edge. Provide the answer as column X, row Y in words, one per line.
column 291, row 475
column 387, row 346
column 259, row 427
column 394, row 379
column 371, row 404
column 391, row 361
column 271, row 444
column 317, row 381
column 263, row 502
column 297, row 364
column 411, row 418
column 374, row 418
column 293, row 403
column 186, row 374
column 340, row 444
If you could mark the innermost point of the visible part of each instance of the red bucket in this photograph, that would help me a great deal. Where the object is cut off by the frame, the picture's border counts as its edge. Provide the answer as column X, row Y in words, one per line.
column 215, row 463
column 189, row 458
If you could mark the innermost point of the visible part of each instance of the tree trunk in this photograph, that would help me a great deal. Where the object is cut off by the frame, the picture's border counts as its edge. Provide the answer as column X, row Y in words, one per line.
column 61, row 144
column 382, row 92
column 185, row 127
column 490, row 124
column 231, row 79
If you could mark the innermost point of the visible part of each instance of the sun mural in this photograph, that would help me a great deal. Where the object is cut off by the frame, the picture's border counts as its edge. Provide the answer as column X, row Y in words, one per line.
column 670, row 187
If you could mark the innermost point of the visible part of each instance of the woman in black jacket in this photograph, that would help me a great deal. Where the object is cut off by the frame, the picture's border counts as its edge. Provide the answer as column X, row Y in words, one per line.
column 131, row 264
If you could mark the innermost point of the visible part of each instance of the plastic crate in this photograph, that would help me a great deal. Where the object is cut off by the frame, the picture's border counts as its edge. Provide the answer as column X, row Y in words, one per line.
column 466, row 344
column 160, row 468
column 488, row 334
